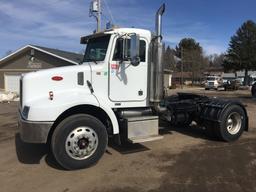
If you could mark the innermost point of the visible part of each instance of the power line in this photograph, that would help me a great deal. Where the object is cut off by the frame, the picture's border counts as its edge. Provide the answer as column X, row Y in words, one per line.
column 105, row 16
column 109, row 11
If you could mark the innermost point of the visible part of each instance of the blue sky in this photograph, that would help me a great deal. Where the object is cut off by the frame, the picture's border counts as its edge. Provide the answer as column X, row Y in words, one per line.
column 60, row 23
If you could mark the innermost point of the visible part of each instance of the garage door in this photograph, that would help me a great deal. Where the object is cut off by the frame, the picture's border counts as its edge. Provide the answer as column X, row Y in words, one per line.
column 12, row 83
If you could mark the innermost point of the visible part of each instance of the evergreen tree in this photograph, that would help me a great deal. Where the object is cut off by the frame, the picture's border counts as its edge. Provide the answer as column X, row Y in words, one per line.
column 241, row 54
column 192, row 59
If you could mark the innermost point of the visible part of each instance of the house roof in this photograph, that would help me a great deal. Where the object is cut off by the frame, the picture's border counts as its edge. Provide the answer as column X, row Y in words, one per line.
column 229, row 75
column 70, row 57
column 186, row 75
column 242, row 73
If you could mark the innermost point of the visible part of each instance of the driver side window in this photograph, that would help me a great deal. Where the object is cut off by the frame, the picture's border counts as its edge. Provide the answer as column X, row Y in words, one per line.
column 119, row 50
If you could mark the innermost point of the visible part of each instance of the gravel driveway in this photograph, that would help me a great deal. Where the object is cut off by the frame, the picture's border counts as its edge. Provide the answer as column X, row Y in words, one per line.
column 185, row 160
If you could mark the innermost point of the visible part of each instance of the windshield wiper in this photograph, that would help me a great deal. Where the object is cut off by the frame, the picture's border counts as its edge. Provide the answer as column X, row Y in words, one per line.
column 93, row 60
column 89, row 59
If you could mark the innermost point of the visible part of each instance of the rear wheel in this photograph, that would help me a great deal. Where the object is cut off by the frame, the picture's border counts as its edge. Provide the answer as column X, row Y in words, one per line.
column 232, row 125
column 79, row 141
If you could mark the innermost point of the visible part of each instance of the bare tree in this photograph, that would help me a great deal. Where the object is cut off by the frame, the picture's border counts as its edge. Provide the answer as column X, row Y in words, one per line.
column 169, row 59
column 8, row 52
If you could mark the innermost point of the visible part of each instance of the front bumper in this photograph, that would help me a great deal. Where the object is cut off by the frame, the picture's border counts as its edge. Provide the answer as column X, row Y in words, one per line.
column 212, row 86
column 33, row 132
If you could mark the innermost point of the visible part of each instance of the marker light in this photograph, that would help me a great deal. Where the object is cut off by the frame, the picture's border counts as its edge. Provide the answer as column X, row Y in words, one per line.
column 51, row 95
column 57, row 78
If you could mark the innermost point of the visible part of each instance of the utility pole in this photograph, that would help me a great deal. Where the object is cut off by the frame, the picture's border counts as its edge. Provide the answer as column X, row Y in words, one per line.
column 95, row 11
column 182, row 63
column 99, row 16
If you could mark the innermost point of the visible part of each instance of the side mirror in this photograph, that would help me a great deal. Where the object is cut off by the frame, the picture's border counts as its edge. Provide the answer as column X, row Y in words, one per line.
column 131, row 49
column 135, row 49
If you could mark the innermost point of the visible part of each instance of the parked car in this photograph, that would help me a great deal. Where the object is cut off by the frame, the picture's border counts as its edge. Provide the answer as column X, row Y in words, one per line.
column 253, row 90
column 232, row 85
column 252, row 79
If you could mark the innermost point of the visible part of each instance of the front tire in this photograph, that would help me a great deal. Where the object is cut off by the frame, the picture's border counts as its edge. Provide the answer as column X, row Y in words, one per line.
column 232, row 124
column 79, row 141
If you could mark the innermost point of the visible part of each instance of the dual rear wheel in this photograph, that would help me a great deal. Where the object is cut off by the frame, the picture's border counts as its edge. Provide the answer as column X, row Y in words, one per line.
column 231, row 125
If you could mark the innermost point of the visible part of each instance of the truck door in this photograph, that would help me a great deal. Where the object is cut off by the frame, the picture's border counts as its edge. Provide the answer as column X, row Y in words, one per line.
column 128, row 83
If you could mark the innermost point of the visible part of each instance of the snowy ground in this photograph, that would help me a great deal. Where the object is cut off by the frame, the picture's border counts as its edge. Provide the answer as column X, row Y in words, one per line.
column 8, row 96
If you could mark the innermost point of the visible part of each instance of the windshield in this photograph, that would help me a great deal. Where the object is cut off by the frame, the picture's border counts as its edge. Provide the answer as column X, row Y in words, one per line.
column 96, row 49
column 211, row 78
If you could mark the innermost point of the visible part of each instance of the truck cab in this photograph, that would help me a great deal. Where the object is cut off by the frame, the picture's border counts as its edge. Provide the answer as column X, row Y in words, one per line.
column 115, row 79
column 106, row 79
column 213, row 82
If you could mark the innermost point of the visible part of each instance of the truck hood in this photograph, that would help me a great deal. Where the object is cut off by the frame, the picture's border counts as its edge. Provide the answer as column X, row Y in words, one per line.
column 57, row 71
column 38, row 85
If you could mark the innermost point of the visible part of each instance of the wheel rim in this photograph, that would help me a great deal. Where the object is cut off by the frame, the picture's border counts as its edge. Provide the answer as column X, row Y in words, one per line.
column 234, row 123
column 81, row 143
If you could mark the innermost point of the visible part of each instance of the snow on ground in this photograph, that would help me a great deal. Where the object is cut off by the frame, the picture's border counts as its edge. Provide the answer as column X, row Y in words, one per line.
column 8, row 96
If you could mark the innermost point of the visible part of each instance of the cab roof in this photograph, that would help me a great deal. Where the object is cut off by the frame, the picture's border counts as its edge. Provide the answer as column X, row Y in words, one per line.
column 141, row 32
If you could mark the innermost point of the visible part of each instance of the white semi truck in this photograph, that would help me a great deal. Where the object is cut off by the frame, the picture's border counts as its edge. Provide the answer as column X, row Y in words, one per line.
column 213, row 82
column 117, row 92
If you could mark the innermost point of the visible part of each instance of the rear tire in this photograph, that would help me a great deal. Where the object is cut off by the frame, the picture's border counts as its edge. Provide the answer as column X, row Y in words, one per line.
column 79, row 141
column 232, row 124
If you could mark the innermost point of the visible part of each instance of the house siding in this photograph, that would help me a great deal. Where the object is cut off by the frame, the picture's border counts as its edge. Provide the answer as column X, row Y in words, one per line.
column 1, row 80
column 22, row 64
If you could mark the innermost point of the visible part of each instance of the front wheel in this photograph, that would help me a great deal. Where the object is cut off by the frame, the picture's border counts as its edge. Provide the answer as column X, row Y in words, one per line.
column 232, row 124
column 79, row 141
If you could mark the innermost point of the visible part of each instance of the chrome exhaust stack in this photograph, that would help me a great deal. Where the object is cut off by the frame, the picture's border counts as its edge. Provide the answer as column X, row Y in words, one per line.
column 156, row 76
column 159, row 15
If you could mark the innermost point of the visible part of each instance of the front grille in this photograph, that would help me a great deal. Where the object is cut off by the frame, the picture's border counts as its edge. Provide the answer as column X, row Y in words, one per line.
column 211, row 83
column 21, row 91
